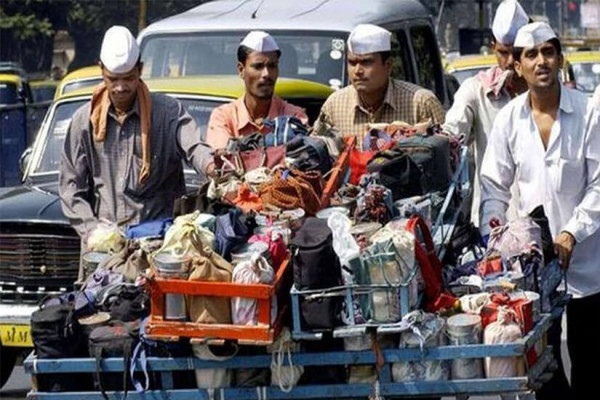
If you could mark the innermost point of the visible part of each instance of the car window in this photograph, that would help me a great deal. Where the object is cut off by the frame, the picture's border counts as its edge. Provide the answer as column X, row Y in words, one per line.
column 427, row 58
column 199, row 109
column 401, row 57
column 72, row 86
column 464, row 74
column 8, row 93
column 316, row 57
column 43, row 93
column 587, row 76
column 56, row 136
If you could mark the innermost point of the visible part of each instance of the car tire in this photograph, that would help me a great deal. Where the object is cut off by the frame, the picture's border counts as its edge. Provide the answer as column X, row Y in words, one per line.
column 8, row 357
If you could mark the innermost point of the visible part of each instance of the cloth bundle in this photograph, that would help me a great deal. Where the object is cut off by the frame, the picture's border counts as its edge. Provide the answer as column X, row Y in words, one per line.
column 503, row 330
column 255, row 270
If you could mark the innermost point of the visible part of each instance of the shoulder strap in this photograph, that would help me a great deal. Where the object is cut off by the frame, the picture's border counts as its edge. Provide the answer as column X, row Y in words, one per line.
column 98, row 356
column 428, row 261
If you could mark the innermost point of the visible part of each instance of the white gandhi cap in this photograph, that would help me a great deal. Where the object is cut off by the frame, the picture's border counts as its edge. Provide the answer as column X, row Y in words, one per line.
column 509, row 18
column 534, row 34
column 119, row 52
column 260, row 41
column 367, row 38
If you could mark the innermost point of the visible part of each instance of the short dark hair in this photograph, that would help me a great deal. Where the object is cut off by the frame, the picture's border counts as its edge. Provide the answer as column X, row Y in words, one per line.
column 244, row 51
column 517, row 51
column 385, row 55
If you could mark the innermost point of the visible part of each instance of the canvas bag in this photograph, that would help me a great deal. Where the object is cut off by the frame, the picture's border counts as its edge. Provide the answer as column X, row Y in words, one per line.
column 503, row 330
column 284, row 376
column 213, row 378
column 210, row 267
column 254, row 271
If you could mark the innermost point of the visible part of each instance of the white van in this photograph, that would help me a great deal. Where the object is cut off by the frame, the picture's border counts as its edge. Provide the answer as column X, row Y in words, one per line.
column 310, row 33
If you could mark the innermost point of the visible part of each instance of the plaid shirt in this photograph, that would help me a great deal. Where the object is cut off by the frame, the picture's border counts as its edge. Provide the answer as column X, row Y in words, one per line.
column 403, row 102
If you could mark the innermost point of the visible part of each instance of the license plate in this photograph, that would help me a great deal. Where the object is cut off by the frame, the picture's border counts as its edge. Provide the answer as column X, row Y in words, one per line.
column 15, row 335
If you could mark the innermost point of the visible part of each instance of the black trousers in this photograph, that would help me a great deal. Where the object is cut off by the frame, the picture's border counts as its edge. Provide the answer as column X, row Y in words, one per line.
column 583, row 341
column 558, row 387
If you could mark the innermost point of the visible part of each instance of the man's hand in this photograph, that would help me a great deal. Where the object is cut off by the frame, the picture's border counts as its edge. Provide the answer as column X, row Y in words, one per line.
column 563, row 247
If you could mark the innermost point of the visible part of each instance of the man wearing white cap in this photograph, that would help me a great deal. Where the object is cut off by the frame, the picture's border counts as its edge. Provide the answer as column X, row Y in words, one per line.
column 373, row 96
column 258, row 65
column 548, row 142
column 122, row 153
column 480, row 98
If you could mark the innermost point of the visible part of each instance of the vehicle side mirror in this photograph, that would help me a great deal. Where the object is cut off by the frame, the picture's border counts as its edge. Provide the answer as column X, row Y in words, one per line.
column 24, row 161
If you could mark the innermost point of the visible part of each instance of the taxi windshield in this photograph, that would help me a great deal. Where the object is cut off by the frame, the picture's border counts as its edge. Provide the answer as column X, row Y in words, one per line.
column 48, row 163
column 587, row 75
column 318, row 57
column 8, row 93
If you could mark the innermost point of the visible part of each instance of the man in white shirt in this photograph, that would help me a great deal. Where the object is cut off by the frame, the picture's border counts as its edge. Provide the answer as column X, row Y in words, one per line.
column 480, row 98
column 548, row 142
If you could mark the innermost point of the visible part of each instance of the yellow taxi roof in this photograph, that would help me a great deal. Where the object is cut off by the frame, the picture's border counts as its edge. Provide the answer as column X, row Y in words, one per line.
column 223, row 86
column 471, row 61
column 10, row 78
column 90, row 72
column 577, row 57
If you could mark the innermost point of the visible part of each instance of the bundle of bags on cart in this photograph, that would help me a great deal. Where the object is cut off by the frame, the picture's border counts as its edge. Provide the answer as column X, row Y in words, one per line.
column 282, row 169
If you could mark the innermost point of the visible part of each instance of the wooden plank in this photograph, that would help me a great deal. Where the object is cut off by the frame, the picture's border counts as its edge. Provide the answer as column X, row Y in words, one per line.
column 218, row 331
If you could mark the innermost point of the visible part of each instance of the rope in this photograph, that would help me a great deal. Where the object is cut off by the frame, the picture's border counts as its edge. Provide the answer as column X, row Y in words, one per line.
column 277, row 364
column 261, row 393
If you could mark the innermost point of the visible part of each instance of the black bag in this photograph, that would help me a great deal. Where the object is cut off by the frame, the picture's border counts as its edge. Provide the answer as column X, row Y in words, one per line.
column 315, row 264
column 125, row 302
column 56, row 333
column 538, row 215
column 399, row 172
column 116, row 340
column 309, row 154
column 432, row 154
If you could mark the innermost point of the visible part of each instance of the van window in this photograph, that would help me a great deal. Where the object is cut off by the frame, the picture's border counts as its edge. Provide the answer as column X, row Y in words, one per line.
column 317, row 57
column 8, row 93
column 427, row 58
column 401, row 57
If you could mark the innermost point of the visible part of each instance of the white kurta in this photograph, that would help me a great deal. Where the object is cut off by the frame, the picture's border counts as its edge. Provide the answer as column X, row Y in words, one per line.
column 565, row 178
column 472, row 114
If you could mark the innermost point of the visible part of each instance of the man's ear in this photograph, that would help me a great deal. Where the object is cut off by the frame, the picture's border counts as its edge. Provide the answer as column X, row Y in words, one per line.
column 519, row 68
column 389, row 64
column 240, row 68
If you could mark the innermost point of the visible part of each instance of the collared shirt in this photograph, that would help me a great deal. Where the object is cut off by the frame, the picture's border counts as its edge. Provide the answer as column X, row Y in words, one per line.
column 403, row 101
column 99, row 180
column 233, row 120
column 565, row 178
column 472, row 116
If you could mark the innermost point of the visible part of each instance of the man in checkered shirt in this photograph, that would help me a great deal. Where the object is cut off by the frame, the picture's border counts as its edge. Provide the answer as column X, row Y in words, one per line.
column 374, row 96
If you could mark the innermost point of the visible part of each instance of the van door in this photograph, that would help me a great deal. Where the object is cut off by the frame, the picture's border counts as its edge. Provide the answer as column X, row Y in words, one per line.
column 401, row 55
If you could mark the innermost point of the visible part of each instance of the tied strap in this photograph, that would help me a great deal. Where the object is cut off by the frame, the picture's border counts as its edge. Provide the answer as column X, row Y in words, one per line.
column 100, row 106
